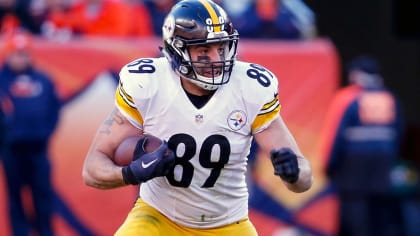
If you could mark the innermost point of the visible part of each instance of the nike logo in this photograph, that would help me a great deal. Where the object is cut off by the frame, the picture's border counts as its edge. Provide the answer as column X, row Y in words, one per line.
column 146, row 165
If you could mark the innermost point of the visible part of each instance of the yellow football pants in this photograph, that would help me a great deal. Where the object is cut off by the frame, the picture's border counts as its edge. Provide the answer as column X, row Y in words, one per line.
column 146, row 221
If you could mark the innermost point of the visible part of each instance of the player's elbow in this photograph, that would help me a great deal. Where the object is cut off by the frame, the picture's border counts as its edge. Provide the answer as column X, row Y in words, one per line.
column 304, row 182
column 301, row 186
column 87, row 178
column 108, row 178
column 92, row 181
column 90, row 177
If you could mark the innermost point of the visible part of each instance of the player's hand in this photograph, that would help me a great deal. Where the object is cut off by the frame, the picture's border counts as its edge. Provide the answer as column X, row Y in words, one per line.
column 139, row 149
column 146, row 166
column 285, row 164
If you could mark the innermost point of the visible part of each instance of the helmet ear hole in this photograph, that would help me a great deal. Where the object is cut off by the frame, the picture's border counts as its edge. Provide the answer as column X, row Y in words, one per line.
column 184, row 70
column 179, row 44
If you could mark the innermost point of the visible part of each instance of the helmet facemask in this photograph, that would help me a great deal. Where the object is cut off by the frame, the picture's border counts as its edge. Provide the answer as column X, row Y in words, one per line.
column 205, row 73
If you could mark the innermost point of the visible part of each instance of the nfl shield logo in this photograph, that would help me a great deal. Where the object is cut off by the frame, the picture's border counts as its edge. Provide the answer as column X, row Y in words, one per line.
column 199, row 118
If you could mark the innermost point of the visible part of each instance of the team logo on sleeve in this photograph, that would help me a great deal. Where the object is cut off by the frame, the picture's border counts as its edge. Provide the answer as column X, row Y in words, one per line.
column 236, row 120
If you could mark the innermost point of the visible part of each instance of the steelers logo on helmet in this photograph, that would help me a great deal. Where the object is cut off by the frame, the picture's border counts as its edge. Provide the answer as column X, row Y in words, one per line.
column 192, row 22
column 168, row 27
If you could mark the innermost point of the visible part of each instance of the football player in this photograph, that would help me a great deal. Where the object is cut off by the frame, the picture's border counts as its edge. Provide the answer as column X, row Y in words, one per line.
column 208, row 107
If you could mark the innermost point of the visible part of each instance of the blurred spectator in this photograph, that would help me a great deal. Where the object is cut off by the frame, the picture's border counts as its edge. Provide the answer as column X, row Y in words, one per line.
column 99, row 17
column 295, row 20
column 362, row 141
column 8, row 19
column 25, row 156
column 286, row 19
column 244, row 17
column 277, row 19
column 20, row 13
column 282, row 19
column 6, row 109
column 158, row 10
column 141, row 21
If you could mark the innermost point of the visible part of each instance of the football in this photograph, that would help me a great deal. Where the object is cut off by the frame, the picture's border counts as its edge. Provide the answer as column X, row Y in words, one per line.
column 124, row 153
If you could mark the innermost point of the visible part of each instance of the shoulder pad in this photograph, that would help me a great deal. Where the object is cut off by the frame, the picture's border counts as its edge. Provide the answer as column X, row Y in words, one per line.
column 259, row 87
column 138, row 77
column 256, row 80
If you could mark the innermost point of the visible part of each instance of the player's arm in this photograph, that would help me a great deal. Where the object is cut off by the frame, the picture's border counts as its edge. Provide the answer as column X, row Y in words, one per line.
column 99, row 170
column 276, row 137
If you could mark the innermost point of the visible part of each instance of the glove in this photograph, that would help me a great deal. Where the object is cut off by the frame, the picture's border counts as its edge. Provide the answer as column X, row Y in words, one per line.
column 146, row 166
column 285, row 164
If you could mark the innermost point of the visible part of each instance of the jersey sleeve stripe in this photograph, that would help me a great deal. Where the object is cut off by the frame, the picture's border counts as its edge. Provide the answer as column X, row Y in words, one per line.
column 270, row 106
column 268, row 112
column 127, row 108
column 276, row 107
column 127, row 98
column 263, row 119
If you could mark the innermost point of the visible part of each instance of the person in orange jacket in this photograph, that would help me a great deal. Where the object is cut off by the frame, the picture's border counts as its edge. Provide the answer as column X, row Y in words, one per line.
column 103, row 18
column 361, row 143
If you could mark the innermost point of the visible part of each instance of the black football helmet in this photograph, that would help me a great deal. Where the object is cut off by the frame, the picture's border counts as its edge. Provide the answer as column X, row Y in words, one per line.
column 196, row 22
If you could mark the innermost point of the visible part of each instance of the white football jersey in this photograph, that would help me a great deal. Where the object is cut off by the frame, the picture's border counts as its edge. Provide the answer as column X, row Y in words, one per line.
column 207, row 186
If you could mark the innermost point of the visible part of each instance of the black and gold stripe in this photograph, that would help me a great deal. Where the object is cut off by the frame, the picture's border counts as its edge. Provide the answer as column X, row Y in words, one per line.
column 126, row 97
column 267, row 113
column 270, row 106
column 214, row 15
column 126, row 103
